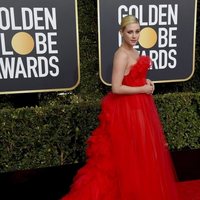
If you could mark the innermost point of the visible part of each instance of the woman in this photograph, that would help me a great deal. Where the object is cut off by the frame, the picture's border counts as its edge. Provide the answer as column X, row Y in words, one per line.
column 127, row 155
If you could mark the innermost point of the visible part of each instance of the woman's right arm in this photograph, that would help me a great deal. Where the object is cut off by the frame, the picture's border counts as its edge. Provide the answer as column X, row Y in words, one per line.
column 119, row 66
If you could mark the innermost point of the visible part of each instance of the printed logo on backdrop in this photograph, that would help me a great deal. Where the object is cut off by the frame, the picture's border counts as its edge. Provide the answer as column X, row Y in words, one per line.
column 167, row 35
column 38, row 46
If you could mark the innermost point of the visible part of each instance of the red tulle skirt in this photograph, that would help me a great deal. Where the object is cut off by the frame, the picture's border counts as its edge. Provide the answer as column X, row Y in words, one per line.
column 127, row 154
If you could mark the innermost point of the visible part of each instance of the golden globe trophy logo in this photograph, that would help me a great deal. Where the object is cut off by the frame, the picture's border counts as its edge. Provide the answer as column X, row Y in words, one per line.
column 42, row 41
column 36, row 47
column 167, row 36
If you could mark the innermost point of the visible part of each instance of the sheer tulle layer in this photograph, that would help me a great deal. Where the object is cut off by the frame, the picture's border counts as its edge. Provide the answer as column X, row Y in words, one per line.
column 127, row 155
column 128, row 158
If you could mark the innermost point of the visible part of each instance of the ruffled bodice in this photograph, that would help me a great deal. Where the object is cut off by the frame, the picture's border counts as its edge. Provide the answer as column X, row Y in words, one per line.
column 138, row 72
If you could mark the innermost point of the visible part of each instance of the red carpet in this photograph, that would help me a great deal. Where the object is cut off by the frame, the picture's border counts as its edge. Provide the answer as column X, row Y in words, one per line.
column 189, row 190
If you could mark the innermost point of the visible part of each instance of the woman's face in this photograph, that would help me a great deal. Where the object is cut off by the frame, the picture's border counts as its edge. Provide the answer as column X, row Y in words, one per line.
column 131, row 34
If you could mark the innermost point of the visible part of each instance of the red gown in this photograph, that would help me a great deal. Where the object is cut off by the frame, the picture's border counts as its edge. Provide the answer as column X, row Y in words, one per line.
column 127, row 154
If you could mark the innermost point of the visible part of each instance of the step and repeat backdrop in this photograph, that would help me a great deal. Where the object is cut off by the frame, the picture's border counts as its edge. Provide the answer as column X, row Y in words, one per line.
column 167, row 36
column 39, row 43
column 39, row 48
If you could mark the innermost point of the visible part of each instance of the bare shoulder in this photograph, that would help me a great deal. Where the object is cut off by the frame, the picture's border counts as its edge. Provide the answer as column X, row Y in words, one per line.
column 120, row 54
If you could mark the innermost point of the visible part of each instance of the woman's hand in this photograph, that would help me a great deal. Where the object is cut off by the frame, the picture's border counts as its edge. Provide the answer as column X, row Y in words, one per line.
column 149, row 82
column 147, row 89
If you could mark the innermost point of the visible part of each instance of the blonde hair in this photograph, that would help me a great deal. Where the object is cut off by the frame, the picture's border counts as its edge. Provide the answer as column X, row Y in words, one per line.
column 129, row 19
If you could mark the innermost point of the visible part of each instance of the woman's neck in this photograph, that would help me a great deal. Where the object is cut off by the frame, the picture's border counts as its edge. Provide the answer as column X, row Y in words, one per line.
column 127, row 47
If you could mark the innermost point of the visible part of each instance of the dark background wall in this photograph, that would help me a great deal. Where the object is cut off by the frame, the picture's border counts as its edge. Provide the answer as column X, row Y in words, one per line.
column 91, row 88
